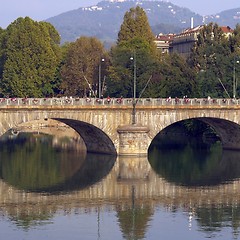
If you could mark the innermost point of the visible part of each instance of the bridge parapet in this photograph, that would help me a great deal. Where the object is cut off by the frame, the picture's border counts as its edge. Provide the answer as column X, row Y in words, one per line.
column 111, row 119
column 70, row 101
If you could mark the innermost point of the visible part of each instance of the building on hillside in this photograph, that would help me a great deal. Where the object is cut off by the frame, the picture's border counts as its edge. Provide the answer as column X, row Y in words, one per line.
column 183, row 43
column 227, row 30
column 163, row 42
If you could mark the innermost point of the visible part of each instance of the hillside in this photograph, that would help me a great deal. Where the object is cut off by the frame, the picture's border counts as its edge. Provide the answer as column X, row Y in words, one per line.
column 226, row 18
column 103, row 20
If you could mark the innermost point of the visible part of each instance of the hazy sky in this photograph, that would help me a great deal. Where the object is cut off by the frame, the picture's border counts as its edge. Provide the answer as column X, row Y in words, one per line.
column 38, row 10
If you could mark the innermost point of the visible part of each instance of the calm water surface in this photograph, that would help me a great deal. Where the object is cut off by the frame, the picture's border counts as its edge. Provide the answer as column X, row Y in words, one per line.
column 51, row 189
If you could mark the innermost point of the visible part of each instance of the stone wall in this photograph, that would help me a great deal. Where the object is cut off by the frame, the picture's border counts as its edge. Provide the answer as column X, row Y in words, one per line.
column 98, row 124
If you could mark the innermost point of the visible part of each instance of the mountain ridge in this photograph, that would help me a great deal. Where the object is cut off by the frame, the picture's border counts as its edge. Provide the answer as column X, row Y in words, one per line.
column 104, row 19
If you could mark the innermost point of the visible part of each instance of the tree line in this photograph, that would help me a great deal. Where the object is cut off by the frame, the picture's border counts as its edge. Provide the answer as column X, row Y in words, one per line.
column 34, row 64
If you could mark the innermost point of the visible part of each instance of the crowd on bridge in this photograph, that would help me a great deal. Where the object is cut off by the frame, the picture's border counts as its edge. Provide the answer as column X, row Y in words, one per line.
column 120, row 100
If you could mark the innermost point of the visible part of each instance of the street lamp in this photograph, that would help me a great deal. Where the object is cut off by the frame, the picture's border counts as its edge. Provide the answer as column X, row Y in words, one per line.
column 99, row 78
column 134, row 102
column 234, row 78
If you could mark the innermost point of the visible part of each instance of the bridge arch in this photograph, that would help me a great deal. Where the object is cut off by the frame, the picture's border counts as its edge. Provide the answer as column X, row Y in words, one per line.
column 228, row 131
column 95, row 139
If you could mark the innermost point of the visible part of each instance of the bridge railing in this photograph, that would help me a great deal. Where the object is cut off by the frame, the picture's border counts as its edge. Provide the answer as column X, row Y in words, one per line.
column 68, row 101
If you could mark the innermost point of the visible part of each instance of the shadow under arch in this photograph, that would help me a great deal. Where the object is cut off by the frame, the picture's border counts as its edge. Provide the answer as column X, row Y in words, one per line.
column 95, row 139
column 188, row 160
column 228, row 131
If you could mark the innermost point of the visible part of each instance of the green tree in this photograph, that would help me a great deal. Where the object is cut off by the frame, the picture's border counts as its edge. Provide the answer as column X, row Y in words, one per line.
column 211, row 59
column 136, row 25
column 172, row 78
column 58, row 80
column 31, row 54
column 235, row 56
column 81, row 67
column 121, row 72
column 2, row 32
column 135, row 46
column 235, row 40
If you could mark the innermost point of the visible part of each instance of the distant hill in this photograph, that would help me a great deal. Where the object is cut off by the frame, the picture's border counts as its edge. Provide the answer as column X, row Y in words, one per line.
column 226, row 18
column 103, row 21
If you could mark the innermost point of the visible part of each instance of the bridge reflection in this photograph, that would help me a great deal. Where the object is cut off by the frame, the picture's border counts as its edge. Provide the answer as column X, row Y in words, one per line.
column 129, row 192
column 116, row 188
column 193, row 167
column 38, row 162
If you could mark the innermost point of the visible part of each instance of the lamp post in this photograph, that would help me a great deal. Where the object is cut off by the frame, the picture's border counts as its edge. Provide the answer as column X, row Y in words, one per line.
column 234, row 78
column 134, row 102
column 99, row 78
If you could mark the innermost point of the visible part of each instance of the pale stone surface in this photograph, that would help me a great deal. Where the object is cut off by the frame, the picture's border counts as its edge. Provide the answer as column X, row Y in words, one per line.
column 133, row 140
column 98, row 125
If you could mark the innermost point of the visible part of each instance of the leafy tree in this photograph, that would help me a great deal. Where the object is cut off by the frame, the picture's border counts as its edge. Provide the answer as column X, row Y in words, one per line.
column 30, row 57
column 235, row 40
column 135, row 48
column 2, row 32
column 157, row 75
column 235, row 55
column 135, row 25
column 121, row 72
column 81, row 67
column 135, row 32
column 172, row 77
column 211, row 60
column 59, row 81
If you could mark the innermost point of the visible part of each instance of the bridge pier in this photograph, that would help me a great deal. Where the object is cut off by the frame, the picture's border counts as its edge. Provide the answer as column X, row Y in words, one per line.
column 133, row 140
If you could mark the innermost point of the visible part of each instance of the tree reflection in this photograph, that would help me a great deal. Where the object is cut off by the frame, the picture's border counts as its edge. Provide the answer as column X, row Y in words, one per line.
column 31, row 163
column 213, row 220
column 134, row 221
column 196, row 166
column 34, row 163
column 26, row 221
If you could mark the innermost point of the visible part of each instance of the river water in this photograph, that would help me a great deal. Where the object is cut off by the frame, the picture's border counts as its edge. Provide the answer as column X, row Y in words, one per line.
column 51, row 189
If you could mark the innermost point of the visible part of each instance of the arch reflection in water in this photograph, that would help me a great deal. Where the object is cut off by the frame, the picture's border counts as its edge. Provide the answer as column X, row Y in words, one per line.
column 156, row 202
column 201, row 166
column 34, row 162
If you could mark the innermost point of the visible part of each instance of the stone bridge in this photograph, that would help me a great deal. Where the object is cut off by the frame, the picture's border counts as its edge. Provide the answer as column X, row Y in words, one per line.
column 106, row 126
